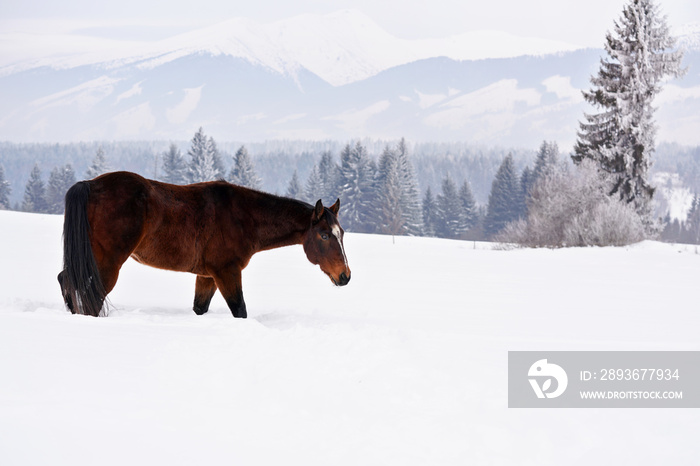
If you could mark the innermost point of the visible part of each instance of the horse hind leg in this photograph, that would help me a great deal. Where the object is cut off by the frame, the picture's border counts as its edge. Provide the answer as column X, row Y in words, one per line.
column 229, row 283
column 204, row 290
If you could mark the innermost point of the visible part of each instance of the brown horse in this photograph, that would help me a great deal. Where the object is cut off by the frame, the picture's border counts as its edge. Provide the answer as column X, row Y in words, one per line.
column 209, row 229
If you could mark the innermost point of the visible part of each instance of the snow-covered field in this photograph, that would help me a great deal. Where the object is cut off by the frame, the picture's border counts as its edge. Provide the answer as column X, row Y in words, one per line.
column 407, row 365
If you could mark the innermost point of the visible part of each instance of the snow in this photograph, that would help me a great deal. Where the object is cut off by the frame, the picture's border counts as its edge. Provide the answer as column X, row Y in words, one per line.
column 405, row 365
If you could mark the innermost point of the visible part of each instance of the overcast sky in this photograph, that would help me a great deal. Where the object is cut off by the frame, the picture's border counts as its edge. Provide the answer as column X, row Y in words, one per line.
column 576, row 22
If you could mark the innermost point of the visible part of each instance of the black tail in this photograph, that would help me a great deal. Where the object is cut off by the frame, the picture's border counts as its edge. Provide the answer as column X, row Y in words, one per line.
column 80, row 279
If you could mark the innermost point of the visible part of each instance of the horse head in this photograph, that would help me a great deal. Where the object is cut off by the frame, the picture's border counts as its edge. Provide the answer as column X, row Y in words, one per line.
column 323, row 243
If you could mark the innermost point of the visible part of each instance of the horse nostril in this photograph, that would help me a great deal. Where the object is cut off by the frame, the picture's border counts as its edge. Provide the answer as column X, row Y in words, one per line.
column 344, row 279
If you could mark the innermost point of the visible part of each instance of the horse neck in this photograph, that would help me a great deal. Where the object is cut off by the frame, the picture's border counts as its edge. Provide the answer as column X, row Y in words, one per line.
column 281, row 221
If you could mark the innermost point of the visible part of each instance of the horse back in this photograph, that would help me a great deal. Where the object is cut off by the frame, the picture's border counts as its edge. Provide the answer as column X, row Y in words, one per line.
column 184, row 228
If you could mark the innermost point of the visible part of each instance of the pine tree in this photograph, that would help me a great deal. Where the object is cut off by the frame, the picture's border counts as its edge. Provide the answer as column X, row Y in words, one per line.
column 243, row 171
column 203, row 163
column 546, row 161
column 389, row 217
column 449, row 210
column 329, row 174
column 468, row 215
column 294, row 188
column 504, row 199
column 60, row 180
column 5, row 191
column 313, row 189
column 691, row 228
column 429, row 208
column 174, row 166
column 620, row 139
column 35, row 193
column 410, row 197
column 356, row 183
column 99, row 165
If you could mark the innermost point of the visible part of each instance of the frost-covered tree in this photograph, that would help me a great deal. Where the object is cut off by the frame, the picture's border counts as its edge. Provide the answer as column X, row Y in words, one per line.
column 389, row 214
column 294, row 188
column 504, row 199
column 5, row 191
column 60, row 180
column 98, row 166
column 35, row 193
column 356, row 185
column 205, row 162
column 468, row 215
column 620, row 138
column 449, row 210
column 329, row 174
column 174, row 166
column 429, row 208
column 546, row 161
column 313, row 189
column 243, row 171
column 574, row 209
column 410, row 197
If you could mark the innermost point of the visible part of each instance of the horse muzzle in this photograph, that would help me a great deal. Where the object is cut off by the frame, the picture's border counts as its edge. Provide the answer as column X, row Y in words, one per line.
column 342, row 280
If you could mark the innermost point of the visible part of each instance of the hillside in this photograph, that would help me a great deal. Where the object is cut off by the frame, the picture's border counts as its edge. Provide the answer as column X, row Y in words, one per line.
column 405, row 365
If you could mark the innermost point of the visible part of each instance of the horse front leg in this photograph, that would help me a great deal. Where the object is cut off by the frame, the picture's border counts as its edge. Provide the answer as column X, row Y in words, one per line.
column 229, row 283
column 204, row 290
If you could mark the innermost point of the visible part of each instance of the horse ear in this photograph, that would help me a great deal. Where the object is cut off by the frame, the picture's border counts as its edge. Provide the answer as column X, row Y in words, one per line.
column 335, row 207
column 318, row 212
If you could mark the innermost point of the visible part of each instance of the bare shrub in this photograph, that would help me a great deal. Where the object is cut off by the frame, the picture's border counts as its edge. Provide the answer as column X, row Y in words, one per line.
column 573, row 208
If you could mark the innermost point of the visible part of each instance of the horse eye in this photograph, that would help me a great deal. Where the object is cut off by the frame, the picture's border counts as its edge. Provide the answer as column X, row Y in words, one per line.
column 324, row 236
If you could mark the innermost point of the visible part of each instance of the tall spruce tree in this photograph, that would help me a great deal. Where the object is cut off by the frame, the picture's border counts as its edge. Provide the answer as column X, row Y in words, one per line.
column 5, row 191
column 410, row 196
column 294, row 188
column 313, row 189
column 98, row 166
column 449, row 210
column 620, row 139
column 329, row 174
column 429, row 208
column 504, row 199
column 389, row 215
column 35, row 193
column 546, row 161
column 203, row 164
column 469, row 215
column 60, row 180
column 174, row 166
column 356, row 186
column 243, row 171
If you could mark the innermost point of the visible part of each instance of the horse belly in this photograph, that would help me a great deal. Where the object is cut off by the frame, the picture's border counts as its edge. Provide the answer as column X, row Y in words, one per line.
column 168, row 254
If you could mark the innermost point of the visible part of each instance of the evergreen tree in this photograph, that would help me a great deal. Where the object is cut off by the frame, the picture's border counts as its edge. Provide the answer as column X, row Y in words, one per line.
column 313, row 189
column 620, row 139
column 429, row 208
column 243, row 171
column 218, row 160
column 389, row 216
column 503, row 206
column 174, row 166
column 691, row 228
column 410, row 197
column 294, row 188
column 35, row 193
column 356, row 183
column 5, row 191
column 60, row 180
column 99, row 165
column 203, row 163
column 469, row 215
column 449, row 210
column 546, row 161
column 329, row 174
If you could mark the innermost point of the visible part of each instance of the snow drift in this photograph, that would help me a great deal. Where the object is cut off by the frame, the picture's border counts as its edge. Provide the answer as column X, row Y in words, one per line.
column 406, row 365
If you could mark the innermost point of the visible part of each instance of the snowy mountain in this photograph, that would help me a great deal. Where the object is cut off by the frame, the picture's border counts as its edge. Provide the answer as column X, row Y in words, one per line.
column 310, row 77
